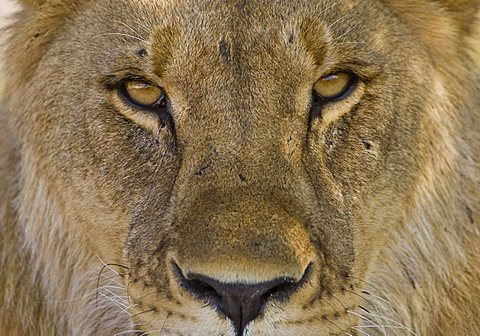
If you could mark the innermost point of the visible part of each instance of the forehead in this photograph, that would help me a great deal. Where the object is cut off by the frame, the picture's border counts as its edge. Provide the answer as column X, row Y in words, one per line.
column 251, row 26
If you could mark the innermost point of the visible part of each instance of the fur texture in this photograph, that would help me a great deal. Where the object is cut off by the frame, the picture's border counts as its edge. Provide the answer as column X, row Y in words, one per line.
column 370, row 203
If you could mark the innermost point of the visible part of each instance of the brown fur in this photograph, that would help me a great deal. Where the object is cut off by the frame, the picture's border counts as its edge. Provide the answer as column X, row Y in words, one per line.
column 379, row 194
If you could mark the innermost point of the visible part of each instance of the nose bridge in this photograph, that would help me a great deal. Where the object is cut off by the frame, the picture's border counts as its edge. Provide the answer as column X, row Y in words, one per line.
column 236, row 235
column 239, row 188
column 236, row 142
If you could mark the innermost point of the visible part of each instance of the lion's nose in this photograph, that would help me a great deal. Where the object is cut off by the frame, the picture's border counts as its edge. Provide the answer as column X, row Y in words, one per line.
column 240, row 302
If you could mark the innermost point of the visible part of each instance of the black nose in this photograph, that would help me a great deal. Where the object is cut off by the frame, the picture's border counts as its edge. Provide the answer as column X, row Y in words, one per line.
column 241, row 303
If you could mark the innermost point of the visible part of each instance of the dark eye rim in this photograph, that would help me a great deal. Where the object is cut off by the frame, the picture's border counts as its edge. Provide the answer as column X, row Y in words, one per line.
column 123, row 92
column 349, row 88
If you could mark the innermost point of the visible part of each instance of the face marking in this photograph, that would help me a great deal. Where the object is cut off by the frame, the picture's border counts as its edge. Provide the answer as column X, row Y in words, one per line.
column 224, row 48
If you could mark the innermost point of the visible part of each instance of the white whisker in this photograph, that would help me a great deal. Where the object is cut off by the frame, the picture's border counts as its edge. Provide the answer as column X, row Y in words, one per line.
column 124, row 35
column 128, row 332
column 367, row 319
column 130, row 28
column 117, row 302
column 401, row 326
column 360, row 331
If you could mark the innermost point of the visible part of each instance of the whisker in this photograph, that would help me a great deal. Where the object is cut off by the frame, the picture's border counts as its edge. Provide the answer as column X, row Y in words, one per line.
column 107, row 266
column 360, row 331
column 124, row 311
column 163, row 326
column 384, row 325
column 128, row 332
column 327, row 320
column 117, row 302
column 367, row 319
column 378, row 297
column 124, row 35
column 344, row 307
column 130, row 28
column 113, row 294
column 374, row 287
column 111, row 286
column 164, row 323
column 396, row 323
column 371, row 303
column 143, row 312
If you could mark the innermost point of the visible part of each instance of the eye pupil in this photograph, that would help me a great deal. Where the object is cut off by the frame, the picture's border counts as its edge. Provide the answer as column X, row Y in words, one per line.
column 143, row 95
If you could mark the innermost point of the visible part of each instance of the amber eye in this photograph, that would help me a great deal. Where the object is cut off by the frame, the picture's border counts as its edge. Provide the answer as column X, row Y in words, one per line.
column 335, row 86
column 142, row 94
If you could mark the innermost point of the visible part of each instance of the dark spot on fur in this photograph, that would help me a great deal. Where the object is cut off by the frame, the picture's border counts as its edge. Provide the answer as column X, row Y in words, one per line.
column 367, row 145
column 412, row 281
column 336, row 315
column 204, row 170
column 291, row 38
column 324, row 317
column 242, row 177
column 224, row 48
column 470, row 214
column 410, row 277
column 329, row 145
column 241, row 6
column 142, row 53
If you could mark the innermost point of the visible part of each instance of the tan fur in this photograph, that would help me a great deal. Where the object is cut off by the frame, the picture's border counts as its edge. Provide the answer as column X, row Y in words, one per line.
column 377, row 197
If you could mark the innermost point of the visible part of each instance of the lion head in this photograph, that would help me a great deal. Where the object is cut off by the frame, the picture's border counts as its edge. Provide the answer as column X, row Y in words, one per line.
column 241, row 168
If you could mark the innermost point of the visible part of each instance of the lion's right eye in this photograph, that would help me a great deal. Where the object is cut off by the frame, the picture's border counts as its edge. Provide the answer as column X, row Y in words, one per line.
column 334, row 87
column 143, row 95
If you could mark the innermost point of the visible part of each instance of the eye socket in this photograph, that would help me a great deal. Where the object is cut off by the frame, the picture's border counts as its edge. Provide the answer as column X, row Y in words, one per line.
column 334, row 87
column 142, row 95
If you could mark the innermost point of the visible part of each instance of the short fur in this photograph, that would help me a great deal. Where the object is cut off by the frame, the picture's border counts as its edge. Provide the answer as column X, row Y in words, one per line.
column 376, row 196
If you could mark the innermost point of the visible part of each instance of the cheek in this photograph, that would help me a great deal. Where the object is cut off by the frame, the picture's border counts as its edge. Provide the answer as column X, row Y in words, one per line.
column 365, row 162
column 112, row 168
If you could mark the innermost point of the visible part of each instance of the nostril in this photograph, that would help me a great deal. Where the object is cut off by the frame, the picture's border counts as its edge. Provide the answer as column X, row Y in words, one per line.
column 201, row 289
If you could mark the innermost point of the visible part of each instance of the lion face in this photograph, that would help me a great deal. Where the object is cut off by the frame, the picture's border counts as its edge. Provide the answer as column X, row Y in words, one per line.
column 245, row 160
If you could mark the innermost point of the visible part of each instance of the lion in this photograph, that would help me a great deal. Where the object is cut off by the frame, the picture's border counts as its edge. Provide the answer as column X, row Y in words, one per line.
column 240, row 168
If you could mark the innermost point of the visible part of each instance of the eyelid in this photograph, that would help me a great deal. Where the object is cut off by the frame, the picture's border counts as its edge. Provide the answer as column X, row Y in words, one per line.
column 113, row 80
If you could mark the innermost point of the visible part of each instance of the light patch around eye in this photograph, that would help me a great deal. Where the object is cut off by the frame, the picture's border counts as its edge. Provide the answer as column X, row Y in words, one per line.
column 142, row 94
column 333, row 86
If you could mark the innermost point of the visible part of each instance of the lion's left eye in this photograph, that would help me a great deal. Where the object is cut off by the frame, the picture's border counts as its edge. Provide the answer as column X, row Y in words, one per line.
column 334, row 87
column 142, row 94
